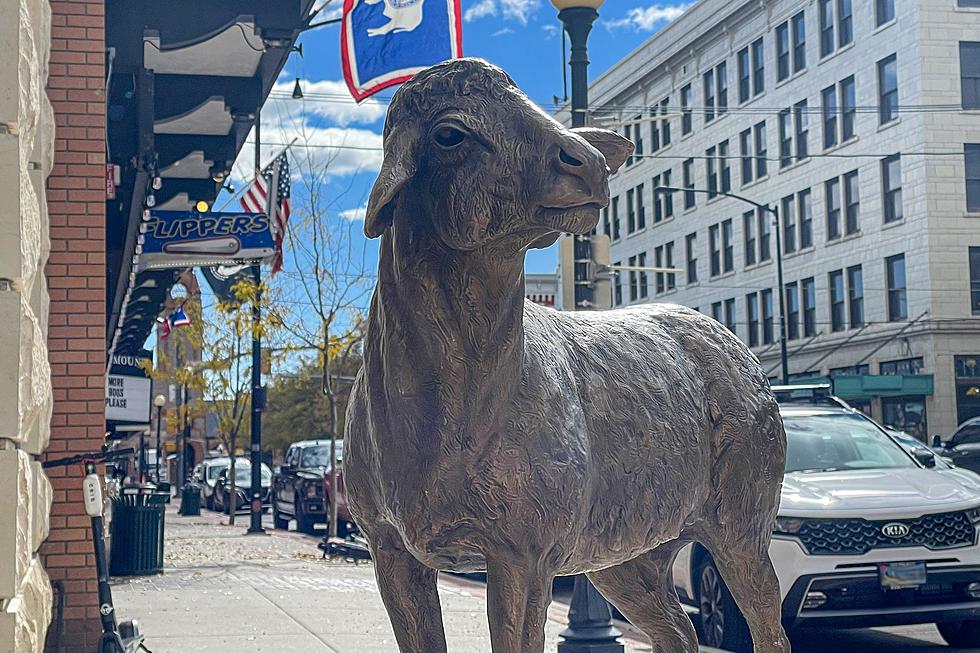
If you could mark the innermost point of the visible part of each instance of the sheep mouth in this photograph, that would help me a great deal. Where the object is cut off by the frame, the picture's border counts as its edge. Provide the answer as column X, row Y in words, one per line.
column 576, row 218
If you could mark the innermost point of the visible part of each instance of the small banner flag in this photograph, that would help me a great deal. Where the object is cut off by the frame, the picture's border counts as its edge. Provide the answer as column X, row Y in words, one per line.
column 222, row 279
column 179, row 318
column 385, row 42
column 163, row 328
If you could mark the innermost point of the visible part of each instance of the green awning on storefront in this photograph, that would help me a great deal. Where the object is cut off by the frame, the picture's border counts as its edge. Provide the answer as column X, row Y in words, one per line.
column 870, row 386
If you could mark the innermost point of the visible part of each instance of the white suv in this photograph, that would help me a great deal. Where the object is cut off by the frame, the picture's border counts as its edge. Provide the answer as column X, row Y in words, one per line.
column 867, row 534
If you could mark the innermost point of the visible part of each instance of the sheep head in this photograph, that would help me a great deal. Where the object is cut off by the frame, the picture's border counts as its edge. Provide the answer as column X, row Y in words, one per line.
column 482, row 165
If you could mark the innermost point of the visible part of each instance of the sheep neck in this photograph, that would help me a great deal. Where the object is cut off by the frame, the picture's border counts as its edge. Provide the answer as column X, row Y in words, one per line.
column 446, row 332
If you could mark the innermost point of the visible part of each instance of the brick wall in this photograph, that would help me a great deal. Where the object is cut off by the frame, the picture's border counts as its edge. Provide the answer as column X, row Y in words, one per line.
column 76, row 281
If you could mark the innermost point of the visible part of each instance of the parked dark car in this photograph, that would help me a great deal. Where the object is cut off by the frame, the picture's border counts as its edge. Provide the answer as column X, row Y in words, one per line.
column 221, row 495
column 963, row 447
column 298, row 489
column 345, row 522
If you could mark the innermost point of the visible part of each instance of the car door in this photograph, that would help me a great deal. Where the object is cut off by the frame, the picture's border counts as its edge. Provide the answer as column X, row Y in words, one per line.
column 279, row 482
column 964, row 447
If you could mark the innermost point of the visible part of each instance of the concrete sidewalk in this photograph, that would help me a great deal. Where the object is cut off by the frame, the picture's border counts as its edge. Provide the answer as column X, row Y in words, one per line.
column 224, row 592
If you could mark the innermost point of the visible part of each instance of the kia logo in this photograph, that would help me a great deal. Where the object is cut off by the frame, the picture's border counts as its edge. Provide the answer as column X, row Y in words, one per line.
column 895, row 530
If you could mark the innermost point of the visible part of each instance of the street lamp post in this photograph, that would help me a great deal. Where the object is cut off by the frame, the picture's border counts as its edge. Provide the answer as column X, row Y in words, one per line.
column 590, row 628
column 159, row 402
column 774, row 211
column 258, row 393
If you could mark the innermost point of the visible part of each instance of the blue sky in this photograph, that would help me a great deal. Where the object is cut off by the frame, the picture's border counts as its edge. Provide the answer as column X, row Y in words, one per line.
column 521, row 36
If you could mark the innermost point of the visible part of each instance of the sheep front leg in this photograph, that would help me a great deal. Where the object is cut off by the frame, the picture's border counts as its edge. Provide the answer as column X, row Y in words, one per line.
column 518, row 597
column 408, row 590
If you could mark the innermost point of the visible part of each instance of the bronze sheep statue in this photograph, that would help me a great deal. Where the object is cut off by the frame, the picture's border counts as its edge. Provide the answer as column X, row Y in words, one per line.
column 487, row 432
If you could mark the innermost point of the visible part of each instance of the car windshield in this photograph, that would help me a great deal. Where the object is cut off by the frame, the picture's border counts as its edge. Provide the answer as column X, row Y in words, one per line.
column 215, row 470
column 243, row 473
column 839, row 441
column 319, row 456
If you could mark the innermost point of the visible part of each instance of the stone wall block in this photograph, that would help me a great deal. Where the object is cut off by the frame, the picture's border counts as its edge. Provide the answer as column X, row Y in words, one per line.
column 24, row 619
column 42, row 495
column 15, row 521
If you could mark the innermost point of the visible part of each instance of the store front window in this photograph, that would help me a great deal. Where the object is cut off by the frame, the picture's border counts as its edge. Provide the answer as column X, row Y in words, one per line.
column 967, row 370
column 902, row 367
column 905, row 414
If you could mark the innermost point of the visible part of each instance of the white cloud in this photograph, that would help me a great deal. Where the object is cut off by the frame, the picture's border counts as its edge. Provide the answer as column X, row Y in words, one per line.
column 353, row 215
column 519, row 10
column 503, row 32
column 647, row 18
column 329, row 9
column 550, row 31
column 481, row 9
column 325, row 98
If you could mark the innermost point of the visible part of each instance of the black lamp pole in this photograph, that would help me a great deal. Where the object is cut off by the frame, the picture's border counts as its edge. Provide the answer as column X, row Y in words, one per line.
column 781, row 291
column 258, row 395
column 590, row 627
column 157, row 461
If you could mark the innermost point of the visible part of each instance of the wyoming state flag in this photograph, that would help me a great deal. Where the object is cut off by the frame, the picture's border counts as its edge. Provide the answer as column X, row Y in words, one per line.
column 385, row 42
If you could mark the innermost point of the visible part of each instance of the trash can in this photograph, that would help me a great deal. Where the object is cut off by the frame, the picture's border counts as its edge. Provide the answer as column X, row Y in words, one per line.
column 137, row 532
column 190, row 500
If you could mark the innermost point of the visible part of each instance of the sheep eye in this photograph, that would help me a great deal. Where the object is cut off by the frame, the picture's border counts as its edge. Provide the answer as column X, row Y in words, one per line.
column 448, row 137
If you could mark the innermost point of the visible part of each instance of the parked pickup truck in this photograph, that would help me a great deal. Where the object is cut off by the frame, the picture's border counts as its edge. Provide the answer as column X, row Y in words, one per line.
column 298, row 489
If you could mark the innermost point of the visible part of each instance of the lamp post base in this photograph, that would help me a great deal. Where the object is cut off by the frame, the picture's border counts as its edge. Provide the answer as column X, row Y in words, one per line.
column 590, row 627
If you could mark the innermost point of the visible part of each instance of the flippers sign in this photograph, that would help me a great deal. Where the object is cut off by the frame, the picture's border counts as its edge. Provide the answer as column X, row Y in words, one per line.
column 187, row 238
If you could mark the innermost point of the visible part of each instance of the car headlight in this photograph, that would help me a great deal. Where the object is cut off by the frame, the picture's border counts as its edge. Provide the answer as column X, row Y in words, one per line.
column 974, row 515
column 787, row 525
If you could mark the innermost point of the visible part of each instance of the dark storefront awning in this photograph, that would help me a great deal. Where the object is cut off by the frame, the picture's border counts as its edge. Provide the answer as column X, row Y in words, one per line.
column 865, row 387
column 185, row 82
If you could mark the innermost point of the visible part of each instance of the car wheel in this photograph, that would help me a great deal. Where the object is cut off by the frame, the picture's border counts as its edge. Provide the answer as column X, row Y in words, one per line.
column 304, row 523
column 720, row 624
column 226, row 503
column 278, row 521
column 960, row 634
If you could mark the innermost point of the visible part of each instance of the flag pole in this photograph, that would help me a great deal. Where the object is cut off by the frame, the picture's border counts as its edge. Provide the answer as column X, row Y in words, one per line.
column 258, row 395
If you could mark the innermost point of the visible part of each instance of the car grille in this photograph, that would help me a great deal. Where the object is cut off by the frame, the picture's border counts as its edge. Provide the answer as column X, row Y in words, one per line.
column 856, row 536
column 866, row 594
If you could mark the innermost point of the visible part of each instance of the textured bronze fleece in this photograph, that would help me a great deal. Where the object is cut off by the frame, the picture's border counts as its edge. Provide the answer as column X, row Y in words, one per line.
column 487, row 432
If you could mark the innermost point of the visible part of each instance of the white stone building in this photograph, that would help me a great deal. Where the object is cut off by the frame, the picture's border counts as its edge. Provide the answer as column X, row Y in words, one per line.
column 542, row 289
column 861, row 122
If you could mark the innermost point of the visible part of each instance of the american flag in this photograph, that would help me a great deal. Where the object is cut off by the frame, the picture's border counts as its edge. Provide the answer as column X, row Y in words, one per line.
column 256, row 199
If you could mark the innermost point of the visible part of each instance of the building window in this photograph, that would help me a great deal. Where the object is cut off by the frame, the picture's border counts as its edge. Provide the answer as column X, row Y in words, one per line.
column 687, row 124
column 714, row 248
column 789, row 224
column 745, row 145
column 721, row 76
column 848, row 108
column 641, row 214
column 641, row 261
column 809, row 291
column 617, row 285
column 855, row 296
column 752, row 310
column 727, row 246
column 852, row 203
column 716, row 311
column 837, row 322
column 664, row 123
column 709, row 96
column 792, row 311
column 765, row 298
column 782, row 51
column 832, row 194
column 748, row 229
column 902, row 367
column 971, row 156
column 970, row 74
column 630, row 212
column 891, row 184
column 765, row 229
column 690, row 242
column 829, row 96
column 658, row 261
column 711, row 164
column 605, row 223
column 688, row 174
column 897, row 301
column 638, row 137
column 730, row 320
column 760, row 149
column 634, row 281
column 884, row 11
column 802, row 121
column 669, row 255
column 758, row 67
column 785, row 138
column 663, row 205
column 744, row 75
column 615, row 218
column 805, row 213
column 628, row 133
column 850, row 370
column 827, row 40
column 724, row 164
column 975, row 280
column 887, row 89
column 799, row 42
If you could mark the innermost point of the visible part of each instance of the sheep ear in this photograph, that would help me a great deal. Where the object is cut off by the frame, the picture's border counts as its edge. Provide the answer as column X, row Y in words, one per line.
column 613, row 146
column 397, row 168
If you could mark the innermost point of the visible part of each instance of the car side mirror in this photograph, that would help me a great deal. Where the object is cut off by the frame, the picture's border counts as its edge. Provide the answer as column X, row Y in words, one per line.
column 925, row 457
column 937, row 442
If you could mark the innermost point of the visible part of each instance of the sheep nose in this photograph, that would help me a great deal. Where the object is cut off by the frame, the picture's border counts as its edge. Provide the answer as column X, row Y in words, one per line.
column 575, row 160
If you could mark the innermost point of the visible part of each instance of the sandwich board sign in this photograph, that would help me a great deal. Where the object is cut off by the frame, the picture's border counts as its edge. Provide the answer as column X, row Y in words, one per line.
column 176, row 239
column 127, row 389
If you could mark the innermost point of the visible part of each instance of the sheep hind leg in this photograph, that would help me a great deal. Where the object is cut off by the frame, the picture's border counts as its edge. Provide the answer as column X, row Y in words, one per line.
column 518, row 597
column 408, row 590
column 642, row 589
column 750, row 577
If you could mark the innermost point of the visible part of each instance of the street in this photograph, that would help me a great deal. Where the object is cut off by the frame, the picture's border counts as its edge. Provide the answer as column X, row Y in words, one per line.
column 223, row 592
